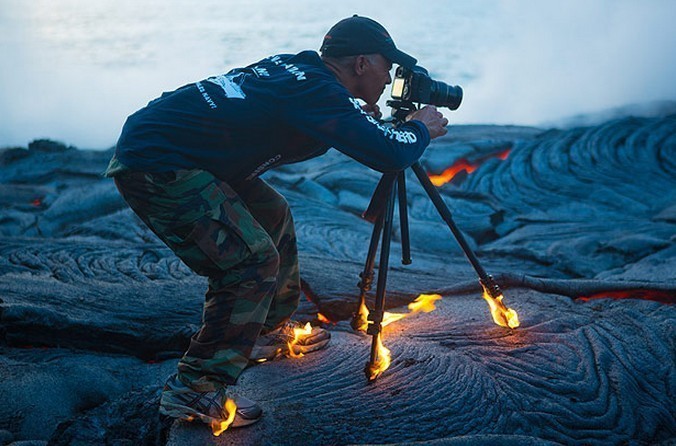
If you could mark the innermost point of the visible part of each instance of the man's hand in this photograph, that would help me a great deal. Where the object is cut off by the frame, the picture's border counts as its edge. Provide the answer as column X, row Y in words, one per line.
column 433, row 120
column 372, row 110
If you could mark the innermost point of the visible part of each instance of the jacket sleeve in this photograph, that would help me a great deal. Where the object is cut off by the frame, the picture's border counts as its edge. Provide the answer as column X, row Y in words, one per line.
column 328, row 113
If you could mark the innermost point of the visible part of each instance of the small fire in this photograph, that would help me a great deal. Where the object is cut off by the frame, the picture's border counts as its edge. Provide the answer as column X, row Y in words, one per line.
column 361, row 318
column 423, row 303
column 323, row 319
column 220, row 426
column 298, row 334
column 388, row 317
column 503, row 316
column 381, row 363
column 462, row 164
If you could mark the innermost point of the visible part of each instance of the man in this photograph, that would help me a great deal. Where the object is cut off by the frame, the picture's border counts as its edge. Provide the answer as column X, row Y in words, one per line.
column 188, row 164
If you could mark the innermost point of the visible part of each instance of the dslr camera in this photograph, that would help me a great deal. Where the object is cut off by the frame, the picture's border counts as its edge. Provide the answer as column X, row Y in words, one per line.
column 416, row 85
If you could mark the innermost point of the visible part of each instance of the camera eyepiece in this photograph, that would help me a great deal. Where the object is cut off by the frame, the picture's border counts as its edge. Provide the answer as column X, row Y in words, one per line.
column 416, row 85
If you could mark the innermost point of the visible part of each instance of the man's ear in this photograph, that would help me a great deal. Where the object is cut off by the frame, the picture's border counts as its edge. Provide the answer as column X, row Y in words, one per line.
column 361, row 64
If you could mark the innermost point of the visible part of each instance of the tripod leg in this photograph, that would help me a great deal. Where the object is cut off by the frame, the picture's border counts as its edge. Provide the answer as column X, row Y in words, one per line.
column 373, row 369
column 445, row 213
column 502, row 315
column 359, row 322
column 403, row 219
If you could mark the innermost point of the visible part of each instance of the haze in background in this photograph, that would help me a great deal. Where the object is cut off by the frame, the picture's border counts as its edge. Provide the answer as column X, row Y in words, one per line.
column 73, row 70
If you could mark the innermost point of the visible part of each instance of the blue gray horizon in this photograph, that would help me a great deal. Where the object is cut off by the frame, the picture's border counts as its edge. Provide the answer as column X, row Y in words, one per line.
column 73, row 70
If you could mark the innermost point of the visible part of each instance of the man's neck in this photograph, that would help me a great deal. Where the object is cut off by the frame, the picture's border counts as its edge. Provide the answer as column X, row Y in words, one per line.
column 342, row 75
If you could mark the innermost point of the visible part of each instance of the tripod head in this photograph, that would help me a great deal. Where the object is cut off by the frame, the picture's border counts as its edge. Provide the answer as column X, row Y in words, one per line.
column 400, row 109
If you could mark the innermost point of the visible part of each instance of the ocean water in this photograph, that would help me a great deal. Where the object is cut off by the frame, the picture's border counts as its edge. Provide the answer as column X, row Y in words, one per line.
column 72, row 70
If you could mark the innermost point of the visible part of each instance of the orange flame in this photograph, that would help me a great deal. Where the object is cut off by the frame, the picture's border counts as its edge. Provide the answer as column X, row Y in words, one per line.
column 462, row 164
column 362, row 318
column 363, row 314
column 503, row 316
column 220, row 426
column 298, row 334
column 388, row 317
column 423, row 303
column 382, row 361
column 323, row 319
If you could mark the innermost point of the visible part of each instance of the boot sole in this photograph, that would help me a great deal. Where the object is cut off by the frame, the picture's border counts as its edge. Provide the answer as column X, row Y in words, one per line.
column 185, row 413
column 269, row 353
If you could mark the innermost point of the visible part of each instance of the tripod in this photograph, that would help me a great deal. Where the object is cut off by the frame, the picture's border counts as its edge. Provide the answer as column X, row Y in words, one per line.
column 381, row 213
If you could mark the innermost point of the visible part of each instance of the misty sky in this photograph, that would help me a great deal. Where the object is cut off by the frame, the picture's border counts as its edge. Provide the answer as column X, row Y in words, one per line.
column 74, row 69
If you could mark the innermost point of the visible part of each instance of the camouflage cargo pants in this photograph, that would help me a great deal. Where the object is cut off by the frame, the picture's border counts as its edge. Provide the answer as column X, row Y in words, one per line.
column 243, row 241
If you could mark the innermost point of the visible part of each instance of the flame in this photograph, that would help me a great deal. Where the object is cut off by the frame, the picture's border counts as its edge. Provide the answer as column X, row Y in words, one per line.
column 462, row 164
column 424, row 303
column 220, row 426
column 362, row 318
column 381, row 363
column 503, row 316
column 323, row 319
column 388, row 317
column 298, row 334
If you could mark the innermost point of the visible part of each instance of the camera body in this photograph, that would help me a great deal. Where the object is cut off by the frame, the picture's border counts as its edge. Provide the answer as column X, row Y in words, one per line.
column 416, row 85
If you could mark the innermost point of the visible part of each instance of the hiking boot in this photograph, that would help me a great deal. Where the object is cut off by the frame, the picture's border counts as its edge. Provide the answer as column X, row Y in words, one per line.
column 181, row 402
column 276, row 343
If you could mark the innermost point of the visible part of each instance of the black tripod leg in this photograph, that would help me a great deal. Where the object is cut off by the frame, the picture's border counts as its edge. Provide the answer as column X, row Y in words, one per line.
column 445, row 213
column 403, row 219
column 359, row 322
column 376, row 316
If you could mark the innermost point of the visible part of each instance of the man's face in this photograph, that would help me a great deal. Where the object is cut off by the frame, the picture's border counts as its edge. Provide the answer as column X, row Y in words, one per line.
column 375, row 77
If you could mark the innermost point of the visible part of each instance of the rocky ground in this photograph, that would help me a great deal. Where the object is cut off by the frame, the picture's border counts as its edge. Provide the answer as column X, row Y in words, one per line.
column 577, row 225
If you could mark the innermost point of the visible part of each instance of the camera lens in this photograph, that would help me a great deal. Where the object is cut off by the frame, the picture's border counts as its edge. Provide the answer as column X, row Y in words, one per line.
column 444, row 95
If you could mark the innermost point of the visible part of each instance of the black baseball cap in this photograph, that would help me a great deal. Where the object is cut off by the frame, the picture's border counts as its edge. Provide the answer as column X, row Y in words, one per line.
column 361, row 35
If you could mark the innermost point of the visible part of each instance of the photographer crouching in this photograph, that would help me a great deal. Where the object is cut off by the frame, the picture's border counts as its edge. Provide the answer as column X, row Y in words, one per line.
column 188, row 164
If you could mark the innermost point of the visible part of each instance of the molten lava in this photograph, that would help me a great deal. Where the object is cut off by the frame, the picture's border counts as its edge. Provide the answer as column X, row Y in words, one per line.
column 463, row 165
column 298, row 334
column 220, row 426
column 503, row 316
column 448, row 174
column 665, row 297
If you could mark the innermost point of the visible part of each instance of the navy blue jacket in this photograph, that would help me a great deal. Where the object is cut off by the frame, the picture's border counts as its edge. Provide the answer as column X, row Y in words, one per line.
column 283, row 109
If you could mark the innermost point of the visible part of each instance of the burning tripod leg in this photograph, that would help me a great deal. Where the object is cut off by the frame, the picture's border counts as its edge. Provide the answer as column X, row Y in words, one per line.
column 380, row 359
column 381, row 213
column 359, row 319
column 502, row 315
column 375, row 214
